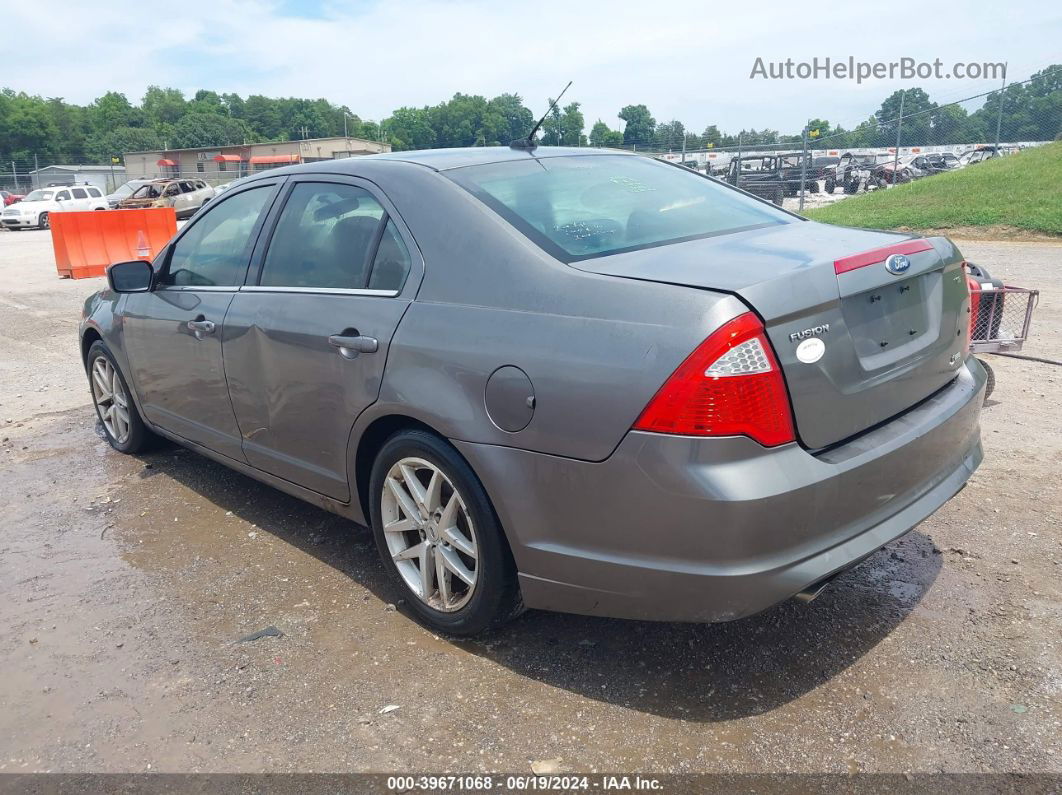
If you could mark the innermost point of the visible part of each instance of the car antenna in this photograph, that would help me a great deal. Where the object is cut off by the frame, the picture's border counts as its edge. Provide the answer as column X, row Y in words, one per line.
column 529, row 141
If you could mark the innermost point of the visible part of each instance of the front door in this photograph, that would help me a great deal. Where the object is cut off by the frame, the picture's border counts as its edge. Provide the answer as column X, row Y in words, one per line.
column 175, row 332
column 306, row 341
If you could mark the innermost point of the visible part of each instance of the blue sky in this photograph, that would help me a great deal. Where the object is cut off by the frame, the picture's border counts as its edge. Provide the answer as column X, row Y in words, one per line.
column 685, row 60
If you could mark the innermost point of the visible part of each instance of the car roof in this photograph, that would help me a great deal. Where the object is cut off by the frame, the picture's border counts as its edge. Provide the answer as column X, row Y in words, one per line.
column 445, row 159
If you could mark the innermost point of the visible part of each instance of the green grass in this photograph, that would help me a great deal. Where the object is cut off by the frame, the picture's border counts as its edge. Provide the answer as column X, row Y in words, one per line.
column 1023, row 190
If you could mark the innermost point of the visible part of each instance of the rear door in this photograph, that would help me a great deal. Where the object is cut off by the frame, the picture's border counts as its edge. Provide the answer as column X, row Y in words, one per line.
column 79, row 199
column 175, row 332
column 307, row 338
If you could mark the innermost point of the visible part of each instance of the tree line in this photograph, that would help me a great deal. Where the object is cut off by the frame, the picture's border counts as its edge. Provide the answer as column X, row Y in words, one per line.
column 55, row 130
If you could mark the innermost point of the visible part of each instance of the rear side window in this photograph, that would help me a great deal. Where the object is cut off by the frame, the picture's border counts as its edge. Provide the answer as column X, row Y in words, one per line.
column 79, row 193
column 324, row 238
column 594, row 205
column 391, row 264
column 95, row 193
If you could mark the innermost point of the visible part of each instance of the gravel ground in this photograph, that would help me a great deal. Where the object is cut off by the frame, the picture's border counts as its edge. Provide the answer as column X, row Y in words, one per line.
column 127, row 582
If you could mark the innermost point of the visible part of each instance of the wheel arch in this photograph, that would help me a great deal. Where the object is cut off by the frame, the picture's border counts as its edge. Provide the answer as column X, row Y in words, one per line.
column 90, row 336
column 369, row 443
column 372, row 439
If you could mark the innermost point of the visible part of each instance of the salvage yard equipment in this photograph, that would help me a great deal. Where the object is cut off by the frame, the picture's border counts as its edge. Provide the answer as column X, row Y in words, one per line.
column 86, row 243
column 1000, row 316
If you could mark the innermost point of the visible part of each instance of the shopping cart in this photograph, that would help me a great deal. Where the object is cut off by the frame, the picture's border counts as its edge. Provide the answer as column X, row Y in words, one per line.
column 1000, row 316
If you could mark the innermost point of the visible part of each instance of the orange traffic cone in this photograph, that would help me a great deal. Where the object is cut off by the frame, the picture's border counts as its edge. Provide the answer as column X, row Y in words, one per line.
column 143, row 250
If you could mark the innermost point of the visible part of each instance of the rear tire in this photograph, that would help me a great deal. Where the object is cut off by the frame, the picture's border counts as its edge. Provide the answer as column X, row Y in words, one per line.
column 448, row 603
column 122, row 424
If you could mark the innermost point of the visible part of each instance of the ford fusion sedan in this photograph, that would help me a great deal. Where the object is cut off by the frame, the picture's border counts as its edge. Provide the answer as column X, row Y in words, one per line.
column 39, row 205
column 567, row 379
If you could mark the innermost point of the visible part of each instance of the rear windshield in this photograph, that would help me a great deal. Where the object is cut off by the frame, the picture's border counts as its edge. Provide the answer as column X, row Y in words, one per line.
column 590, row 206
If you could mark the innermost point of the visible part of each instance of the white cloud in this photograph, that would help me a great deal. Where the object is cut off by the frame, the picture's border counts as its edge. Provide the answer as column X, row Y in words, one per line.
column 683, row 59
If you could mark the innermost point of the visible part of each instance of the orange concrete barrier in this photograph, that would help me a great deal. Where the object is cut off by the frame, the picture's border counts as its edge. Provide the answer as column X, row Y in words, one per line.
column 86, row 243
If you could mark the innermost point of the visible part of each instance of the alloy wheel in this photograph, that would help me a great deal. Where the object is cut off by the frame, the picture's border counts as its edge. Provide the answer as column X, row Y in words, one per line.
column 110, row 398
column 429, row 534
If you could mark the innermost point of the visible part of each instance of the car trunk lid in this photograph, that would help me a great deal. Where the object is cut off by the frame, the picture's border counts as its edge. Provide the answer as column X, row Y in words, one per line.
column 885, row 340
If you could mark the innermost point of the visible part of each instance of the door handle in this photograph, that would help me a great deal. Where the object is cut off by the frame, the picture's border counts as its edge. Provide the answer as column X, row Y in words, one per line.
column 200, row 327
column 351, row 345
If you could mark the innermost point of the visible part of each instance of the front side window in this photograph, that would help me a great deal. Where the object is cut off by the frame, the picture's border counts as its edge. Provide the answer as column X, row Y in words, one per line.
column 324, row 238
column 215, row 250
column 593, row 205
column 62, row 196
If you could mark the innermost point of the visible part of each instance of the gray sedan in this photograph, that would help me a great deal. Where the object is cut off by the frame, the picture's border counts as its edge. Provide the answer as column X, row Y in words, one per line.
column 567, row 379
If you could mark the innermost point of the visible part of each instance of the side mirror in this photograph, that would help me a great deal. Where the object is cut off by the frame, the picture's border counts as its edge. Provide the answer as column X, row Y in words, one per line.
column 130, row 277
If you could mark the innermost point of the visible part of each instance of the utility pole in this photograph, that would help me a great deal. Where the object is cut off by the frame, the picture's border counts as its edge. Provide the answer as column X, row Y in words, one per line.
column 36, row 170
column 899, row 126
column 14, row 175
column 999, row 116
column 804, row 167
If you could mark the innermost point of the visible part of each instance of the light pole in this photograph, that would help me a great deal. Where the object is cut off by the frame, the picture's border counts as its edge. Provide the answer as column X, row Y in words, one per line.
column 345, row 117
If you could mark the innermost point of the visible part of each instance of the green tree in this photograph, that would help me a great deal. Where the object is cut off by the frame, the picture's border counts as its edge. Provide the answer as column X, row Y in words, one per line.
column 599, row 133
column 639, row 127
column 711, row 136
column 669, row 135
column 103, row 147
column 113, row 110
column 163, row 106
column 208, row 129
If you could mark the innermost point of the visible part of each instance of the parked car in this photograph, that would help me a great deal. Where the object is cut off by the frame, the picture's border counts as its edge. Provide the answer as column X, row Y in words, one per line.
column 39, row 205
column 559, row 378
column 185, row 196
column 942, row 161
column 851, row 172
column 897, row 171
column 820, row 166
column 125, row 190
column 10, row 198
column 980, row 154
column 219, row 189
column 771, row 177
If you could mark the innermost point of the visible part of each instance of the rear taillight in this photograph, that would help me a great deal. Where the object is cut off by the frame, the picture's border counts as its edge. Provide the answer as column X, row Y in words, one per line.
column 731, row 385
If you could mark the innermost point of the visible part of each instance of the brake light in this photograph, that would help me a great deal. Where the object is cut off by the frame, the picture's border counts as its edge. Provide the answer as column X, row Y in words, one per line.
column 730, row 385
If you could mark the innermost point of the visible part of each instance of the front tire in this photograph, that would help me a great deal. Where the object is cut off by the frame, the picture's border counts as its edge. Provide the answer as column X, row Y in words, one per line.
column 122, row 425
column 43, row 222
column 439, row 538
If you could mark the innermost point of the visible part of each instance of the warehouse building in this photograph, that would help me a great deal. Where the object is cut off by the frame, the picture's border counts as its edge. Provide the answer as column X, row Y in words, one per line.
column 106, row 178
column 218, row 164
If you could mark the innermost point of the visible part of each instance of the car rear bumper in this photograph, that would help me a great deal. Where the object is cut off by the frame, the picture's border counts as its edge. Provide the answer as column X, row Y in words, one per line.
column 690, row 529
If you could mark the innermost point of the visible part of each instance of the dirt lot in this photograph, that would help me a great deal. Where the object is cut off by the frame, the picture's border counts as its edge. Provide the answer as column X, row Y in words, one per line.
column 126, row 582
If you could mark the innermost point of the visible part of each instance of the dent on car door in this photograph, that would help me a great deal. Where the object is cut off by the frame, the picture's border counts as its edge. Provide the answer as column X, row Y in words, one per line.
column 306, row 341
column 174, row 333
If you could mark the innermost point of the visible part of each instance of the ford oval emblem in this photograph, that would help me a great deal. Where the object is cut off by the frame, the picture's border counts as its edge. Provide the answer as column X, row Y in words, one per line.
column 897, row 264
